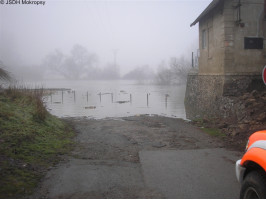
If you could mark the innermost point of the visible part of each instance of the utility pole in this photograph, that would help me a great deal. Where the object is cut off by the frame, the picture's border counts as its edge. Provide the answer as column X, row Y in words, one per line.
column 116, row 69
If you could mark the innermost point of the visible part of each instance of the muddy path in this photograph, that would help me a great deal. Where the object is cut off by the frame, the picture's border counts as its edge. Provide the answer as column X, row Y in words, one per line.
column 106, row 162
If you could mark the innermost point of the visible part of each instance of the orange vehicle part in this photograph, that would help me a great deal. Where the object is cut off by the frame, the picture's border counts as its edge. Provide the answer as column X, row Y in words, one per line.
column 260, row 135
column 257, row 155
column 250, row 170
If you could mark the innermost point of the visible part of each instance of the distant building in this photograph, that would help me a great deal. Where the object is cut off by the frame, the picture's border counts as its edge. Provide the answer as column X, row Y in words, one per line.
column 232, row 46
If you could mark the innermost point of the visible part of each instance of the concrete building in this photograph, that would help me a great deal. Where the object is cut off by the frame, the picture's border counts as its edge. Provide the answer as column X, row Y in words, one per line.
column 232, row 46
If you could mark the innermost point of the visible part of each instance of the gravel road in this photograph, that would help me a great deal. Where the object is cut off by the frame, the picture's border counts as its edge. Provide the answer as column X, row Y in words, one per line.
column 142, row 157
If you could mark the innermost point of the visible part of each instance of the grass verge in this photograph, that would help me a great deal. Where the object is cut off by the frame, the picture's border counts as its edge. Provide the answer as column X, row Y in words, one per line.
column 31, row 140
column 210, row 129
column 214, row 132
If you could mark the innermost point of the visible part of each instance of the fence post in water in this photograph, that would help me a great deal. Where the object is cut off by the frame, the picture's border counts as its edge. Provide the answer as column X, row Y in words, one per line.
column 112, row 96
column 100, row 97
column 166, row 100
column 87, row 96
column 130, row 98
column 62, row 97
column 74, row 96
column 51, row 97
column 192, row 60
column 147, row 99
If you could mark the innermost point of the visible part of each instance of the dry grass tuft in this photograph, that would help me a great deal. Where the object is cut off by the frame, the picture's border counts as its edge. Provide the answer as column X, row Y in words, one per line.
column 34, row 95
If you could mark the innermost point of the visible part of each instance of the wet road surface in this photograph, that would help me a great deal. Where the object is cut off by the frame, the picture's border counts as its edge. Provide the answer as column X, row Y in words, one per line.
column 142, row 157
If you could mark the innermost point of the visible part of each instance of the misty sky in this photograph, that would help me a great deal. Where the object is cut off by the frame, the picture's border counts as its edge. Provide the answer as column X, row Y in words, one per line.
column 143, row 32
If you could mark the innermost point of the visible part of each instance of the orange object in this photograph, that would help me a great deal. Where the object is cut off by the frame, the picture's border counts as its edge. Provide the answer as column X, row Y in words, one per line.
column 256, row 155
column 256, row 150
column 251, row 169
column 260, row 135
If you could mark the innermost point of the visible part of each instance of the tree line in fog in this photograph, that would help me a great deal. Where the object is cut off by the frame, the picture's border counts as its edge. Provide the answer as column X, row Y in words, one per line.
column 174, row 72
column 79, row 64
column 82, row 64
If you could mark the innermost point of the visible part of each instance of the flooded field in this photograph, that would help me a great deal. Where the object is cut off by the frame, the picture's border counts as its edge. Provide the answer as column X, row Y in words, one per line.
column 101, row 99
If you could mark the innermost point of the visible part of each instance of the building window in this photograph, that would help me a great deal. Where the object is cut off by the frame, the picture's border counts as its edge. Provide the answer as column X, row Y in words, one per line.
column 204, row 39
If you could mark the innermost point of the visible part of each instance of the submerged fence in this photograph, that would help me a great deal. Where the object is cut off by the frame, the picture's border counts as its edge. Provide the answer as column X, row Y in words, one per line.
column 58, row 97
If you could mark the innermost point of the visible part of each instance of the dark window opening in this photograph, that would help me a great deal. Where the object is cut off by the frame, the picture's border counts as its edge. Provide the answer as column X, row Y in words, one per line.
column 253, row 43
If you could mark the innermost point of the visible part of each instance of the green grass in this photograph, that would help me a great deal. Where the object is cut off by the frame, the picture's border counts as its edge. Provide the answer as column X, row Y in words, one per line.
column 213, row 132
column 31, row 140
column 210, row 131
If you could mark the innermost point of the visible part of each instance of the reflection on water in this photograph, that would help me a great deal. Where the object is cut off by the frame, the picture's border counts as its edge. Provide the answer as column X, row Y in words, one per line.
column 101, row 99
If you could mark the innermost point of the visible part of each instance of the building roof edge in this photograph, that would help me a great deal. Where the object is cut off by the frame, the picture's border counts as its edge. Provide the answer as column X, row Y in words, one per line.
column 211, row 6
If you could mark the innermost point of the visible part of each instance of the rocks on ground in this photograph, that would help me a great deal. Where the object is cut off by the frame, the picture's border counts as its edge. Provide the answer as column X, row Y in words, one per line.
column 242, row 116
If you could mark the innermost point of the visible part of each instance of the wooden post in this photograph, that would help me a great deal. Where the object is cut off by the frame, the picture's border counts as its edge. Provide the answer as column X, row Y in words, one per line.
column 87, row 96
column 74, row 96
column 62, row 96
column 166, row 100
column 192, row 59
column 112, row 96
column 147, row 99
column 130, row 98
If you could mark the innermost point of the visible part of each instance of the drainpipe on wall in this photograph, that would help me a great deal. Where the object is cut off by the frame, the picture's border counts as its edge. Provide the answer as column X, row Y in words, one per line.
column 259, row 21
column 265, row 9
column 239, row 20
column 239, row 11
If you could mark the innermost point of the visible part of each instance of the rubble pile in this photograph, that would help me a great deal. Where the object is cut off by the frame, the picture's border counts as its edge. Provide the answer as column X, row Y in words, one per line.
column 240, row 116
column 247, row 114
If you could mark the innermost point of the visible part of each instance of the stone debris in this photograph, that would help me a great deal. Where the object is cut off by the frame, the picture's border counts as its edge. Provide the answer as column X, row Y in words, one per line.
column 242, row 116
column 248, row 114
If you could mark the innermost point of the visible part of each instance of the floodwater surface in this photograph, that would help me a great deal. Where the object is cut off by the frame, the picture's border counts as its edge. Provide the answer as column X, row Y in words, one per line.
column 102, row 99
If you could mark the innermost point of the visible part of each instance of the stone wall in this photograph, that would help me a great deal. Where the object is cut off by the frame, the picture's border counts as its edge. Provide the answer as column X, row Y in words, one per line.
column 237, row 85
column 213, row 96
column 202, row 93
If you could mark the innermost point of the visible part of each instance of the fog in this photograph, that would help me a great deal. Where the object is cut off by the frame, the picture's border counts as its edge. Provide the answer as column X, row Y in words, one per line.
column 122, row 35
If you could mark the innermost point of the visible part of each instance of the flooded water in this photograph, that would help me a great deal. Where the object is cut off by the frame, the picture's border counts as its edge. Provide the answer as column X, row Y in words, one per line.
column 101, row 99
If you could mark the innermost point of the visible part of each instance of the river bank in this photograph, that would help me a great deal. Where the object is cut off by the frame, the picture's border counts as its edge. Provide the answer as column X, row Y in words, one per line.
column 31, row 141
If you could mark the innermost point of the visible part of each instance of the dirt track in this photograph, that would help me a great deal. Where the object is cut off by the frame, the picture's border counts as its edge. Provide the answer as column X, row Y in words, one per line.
column 106, row 161
column 122, row 139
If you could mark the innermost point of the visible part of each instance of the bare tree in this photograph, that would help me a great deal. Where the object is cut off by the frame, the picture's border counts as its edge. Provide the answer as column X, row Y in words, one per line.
column 140, row 73
column 175, row 72
column 80, row 64
column 179, row 68
column 163, row 75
